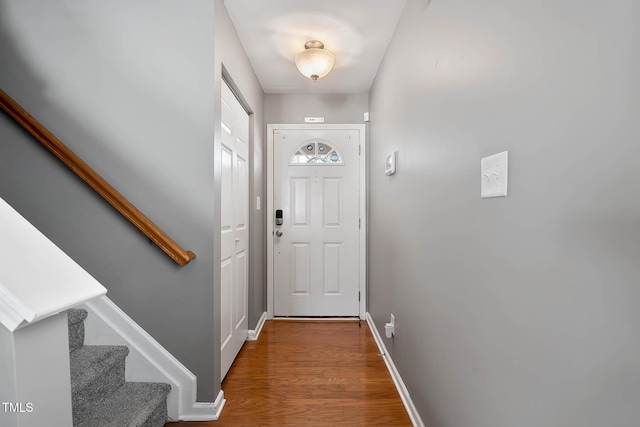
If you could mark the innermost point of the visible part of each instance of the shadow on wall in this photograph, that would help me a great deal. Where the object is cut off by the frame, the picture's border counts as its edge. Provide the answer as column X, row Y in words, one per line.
column 15, row 73
column 27, row 84
column 77, row 110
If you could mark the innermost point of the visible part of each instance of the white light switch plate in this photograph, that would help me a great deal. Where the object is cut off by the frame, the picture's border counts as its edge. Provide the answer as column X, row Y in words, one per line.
column 390, row 163
column 493, row 175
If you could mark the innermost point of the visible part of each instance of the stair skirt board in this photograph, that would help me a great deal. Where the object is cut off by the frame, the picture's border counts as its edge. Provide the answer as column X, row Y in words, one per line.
column 255, row 333
column 148, row 361
column 395, row 375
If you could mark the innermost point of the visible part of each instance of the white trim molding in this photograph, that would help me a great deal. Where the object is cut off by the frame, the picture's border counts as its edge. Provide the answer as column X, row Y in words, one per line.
column 271, row 128
column 255, row 333
column 205, row 411
column 37, row 279
column 395, row 375
column 149, row 361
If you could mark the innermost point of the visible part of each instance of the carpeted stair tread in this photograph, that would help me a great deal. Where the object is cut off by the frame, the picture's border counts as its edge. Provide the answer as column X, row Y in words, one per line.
column 76, row 315
column 132, row 405
column 91, row 362
column 100, row 396
column 75, row 320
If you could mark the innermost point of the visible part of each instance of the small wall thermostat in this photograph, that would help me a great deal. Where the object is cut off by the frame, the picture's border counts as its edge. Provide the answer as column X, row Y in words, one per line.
column 390, row 163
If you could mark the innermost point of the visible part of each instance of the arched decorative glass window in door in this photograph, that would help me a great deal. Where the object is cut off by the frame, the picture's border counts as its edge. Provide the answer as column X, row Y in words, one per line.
column 316, row 152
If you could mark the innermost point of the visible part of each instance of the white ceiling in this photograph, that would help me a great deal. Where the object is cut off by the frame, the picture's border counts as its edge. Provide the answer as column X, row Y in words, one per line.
column 356, row 31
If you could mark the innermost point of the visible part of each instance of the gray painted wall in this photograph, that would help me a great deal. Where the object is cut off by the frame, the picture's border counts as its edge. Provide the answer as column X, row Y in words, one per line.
column 519, row 311
column 334, row 107
column 129, row 87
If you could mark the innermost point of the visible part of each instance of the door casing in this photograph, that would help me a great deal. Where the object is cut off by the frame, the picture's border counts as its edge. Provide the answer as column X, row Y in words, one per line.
column 271, row 128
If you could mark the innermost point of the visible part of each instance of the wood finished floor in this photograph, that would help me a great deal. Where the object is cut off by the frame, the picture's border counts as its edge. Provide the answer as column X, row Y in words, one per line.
column 309, row 373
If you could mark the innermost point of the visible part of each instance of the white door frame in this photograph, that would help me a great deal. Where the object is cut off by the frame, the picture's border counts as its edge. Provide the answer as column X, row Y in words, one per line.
column 363, row 207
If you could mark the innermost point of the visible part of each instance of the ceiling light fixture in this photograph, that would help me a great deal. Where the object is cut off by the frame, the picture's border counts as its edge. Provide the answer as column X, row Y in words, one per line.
column 314, row 62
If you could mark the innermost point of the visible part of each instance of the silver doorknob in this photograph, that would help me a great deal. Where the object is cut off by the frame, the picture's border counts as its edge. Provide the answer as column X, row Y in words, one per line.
column 278, row 233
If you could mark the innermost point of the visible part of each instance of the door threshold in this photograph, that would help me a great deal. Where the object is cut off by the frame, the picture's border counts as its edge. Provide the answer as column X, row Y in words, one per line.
column 319, row 318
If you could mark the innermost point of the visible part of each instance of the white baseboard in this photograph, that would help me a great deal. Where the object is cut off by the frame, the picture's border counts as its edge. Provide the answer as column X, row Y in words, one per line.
column 395, row 375
column 205, row 411
column 149, row 361
column 255, row 333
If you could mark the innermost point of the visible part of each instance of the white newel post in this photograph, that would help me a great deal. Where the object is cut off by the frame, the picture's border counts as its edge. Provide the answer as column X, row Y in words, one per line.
column 35, row 378
column 38, row 283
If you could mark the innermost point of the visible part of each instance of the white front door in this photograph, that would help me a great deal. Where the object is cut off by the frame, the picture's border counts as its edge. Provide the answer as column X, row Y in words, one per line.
column 316, row 249
column 235, row 228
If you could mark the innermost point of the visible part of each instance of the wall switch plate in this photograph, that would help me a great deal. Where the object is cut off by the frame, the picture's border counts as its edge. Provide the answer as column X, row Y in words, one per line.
column 390, row 163
column 365, row 116
column 257, row 203
column 493, row 175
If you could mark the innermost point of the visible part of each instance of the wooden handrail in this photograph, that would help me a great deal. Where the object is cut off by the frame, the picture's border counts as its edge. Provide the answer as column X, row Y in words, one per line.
column 95, row 181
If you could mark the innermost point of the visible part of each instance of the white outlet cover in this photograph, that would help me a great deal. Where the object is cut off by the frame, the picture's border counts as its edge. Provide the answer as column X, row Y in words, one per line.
column 493, row 175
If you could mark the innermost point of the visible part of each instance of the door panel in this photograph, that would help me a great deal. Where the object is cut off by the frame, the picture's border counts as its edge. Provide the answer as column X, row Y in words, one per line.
column 227, row 190
column 234, row 228
column 300, row 276
column 242, row 174
column 316, row 258
column 241, row 289
column 226, row 277
column 332, row 276
column 300, row 201
column 332, row 199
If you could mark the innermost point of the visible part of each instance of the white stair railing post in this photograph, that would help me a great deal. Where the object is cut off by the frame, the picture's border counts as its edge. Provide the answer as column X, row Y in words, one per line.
column 35, row 374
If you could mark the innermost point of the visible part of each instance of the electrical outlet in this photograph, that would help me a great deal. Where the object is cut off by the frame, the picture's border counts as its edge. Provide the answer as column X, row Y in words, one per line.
column 390, row 328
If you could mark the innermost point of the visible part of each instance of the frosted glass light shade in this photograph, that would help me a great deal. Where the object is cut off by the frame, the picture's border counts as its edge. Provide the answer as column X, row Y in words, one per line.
column 314, row 62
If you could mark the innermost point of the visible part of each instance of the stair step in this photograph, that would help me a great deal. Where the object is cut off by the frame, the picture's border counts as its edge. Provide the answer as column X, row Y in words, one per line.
column 75, row 320
column 133, row 405
column 100, row 396
column 76, row 315
column 96, row 372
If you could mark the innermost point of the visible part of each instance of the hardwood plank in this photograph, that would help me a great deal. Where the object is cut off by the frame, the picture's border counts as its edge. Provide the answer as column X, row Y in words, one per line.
column 309, row 373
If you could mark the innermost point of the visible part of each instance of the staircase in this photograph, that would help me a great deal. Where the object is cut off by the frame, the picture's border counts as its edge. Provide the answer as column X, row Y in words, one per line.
column 100, row 396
